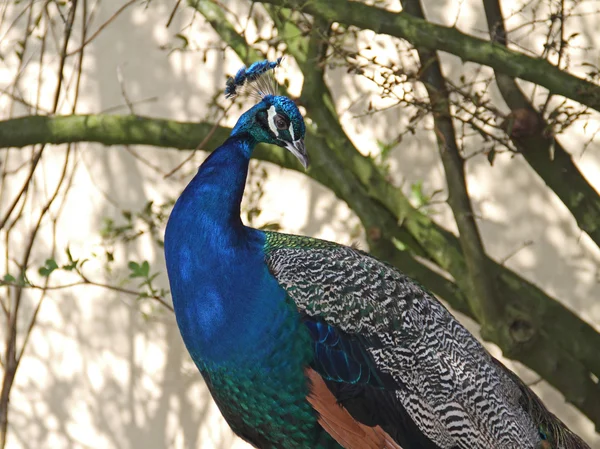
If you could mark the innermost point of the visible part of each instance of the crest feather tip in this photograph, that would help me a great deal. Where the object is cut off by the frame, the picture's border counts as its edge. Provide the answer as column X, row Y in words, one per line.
column 251, row 78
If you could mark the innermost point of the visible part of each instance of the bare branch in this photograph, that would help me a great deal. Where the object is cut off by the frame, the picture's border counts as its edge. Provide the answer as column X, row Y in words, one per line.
column 436, row 37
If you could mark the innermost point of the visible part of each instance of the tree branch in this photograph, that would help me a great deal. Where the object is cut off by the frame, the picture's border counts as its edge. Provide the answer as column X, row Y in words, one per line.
column 558, row 172
column 105, row 129
column 484, row 300
column 437, row 37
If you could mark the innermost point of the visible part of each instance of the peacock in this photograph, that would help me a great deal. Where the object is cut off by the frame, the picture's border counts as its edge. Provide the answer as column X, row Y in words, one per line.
column 306, row 343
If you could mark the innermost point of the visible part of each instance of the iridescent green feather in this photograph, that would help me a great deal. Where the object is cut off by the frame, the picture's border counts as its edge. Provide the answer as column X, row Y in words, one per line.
column 276, row 240
column 267, row 406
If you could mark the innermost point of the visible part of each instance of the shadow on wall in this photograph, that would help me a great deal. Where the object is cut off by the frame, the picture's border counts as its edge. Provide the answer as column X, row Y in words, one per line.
column 103, row 394
column 98, row 372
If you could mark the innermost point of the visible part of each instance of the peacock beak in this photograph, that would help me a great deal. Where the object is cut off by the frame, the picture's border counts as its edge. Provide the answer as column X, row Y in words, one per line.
column 298, row 149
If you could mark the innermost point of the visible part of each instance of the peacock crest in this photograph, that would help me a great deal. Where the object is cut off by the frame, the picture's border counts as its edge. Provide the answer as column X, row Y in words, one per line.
column 255, row 81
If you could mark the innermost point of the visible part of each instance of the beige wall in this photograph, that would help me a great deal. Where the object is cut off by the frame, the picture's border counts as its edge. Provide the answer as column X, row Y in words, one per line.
column 105, row 371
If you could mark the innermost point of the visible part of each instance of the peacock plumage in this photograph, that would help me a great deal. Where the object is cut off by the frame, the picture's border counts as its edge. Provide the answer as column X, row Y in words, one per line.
column 305, row 343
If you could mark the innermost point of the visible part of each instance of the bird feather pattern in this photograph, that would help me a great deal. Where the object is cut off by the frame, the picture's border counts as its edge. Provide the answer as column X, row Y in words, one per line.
column 451, row 387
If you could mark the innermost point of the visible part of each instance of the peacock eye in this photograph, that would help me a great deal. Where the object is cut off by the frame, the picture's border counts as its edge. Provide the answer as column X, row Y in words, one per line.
column 280, row 122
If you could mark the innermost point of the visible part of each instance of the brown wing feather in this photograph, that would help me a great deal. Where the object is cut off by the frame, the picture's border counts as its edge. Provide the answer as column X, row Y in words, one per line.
column 336, row 420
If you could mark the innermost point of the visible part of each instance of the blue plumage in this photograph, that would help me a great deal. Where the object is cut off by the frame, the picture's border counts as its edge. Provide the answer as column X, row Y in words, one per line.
column 341, row 357
column 309, row 344
column 248, row 75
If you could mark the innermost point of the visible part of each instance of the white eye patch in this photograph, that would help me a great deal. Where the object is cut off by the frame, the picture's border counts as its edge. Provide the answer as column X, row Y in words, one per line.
column 292, row 131
column 271, row 113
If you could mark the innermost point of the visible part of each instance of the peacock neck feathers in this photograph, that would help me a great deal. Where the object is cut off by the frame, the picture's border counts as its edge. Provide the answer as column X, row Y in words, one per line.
column 212, row 199
column 220, row 284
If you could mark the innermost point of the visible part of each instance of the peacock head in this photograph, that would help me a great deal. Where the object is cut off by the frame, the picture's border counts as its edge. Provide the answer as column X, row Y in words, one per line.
column 275, row 119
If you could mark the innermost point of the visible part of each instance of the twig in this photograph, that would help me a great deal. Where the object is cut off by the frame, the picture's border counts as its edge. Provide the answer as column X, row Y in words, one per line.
column 102, row 27
column 11, row 359
column 201, row 145
column 87, row 281
column 123, row 90
column 515, row 251
column 172, row 15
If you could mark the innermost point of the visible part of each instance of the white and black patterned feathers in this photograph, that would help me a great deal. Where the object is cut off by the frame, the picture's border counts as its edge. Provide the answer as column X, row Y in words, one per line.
column 456, row 394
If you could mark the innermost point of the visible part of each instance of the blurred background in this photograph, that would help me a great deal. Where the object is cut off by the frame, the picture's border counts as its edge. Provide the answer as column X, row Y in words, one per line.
column 107, row 107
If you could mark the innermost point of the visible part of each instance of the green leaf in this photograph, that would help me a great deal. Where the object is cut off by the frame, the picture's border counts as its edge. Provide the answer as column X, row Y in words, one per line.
column 22, row 280
column 72, row 262
column 134, row 267
column 139, row 270
column 47, row 269
column 108, row 226
column 148, row 208
column 8, row 278
column 385, row 148
column 418, row 195
column 183, row 39
column 399, row 245
column 145, row 268
column 69, row 255
column 491, row 156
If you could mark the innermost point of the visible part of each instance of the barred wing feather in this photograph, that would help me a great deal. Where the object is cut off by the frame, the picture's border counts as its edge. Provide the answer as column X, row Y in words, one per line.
column 414, row 352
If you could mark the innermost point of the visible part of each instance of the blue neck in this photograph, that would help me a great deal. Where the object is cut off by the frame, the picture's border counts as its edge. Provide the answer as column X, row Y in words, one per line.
column 219, row 282
column 213, row 197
